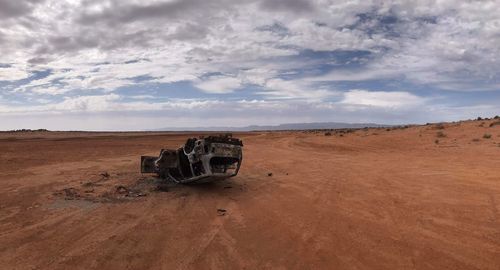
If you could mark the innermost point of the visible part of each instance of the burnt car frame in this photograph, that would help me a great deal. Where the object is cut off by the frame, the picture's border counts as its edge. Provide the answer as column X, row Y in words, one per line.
column 199, row 160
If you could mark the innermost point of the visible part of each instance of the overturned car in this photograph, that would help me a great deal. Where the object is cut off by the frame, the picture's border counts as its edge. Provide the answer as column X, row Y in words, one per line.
column 199, row 160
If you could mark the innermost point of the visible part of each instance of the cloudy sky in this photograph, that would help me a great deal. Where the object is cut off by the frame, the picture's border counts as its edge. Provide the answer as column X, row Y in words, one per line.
column 143, row 64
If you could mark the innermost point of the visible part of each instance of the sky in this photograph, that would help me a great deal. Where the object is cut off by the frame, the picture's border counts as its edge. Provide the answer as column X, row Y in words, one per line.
column 136, row 65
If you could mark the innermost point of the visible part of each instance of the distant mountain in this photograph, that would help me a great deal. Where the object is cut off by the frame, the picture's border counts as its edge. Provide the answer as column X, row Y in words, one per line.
column 291, row 126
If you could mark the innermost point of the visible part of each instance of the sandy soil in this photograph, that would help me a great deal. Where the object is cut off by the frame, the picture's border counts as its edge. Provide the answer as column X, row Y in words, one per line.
column 369, row 199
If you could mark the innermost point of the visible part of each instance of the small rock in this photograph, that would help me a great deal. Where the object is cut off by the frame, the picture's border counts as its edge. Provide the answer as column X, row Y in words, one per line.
column 121, row 190
column 71, row 193
column 221, row 212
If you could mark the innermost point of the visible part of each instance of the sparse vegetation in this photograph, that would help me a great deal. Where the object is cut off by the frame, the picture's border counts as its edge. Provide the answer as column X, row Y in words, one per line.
column 481, row 125
column 27, row 130
column 479, row 119
column 436, row 141
column 487, row 136
column 440, row 126
column 440, row 134
column 475, row 140
column 328, row 133
column 496, row 117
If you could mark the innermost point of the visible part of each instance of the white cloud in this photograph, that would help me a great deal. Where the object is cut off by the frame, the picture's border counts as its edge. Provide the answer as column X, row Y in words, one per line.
column 111, row 113
column 219, row 85
column 294, row 89
column 443, row 38
column 382, row 99
column 357, row 75
column 87, row 103
column 274, row 46
column 13, row 73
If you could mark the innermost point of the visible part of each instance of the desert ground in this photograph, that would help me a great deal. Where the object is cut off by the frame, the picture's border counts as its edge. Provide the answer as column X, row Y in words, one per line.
column 418, row 197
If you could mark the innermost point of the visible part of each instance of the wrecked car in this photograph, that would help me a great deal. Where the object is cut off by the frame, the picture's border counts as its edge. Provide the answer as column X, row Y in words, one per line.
column 199, row 160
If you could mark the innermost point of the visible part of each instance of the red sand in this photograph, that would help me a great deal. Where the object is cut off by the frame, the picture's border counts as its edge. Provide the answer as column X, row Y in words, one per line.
column 372, row 199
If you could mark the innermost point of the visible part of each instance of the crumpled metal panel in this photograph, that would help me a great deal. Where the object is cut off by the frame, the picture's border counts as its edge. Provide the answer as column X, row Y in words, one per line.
column 198, row 160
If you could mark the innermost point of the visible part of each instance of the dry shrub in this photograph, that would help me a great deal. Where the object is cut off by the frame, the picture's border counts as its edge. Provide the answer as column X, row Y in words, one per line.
column 495, row 124
column 440, row 134
column 487, row 136
column 440, row 126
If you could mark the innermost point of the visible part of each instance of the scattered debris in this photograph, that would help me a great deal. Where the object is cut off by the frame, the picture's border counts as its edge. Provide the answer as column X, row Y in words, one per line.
column 71, row 193
column 162, row 187
column 121, row 190
column 88, row 184
column 113, row 191
column 128, row 192
column 221, row 211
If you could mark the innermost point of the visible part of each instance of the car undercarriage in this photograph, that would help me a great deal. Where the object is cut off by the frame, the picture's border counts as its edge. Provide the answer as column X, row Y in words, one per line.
column 199, row 160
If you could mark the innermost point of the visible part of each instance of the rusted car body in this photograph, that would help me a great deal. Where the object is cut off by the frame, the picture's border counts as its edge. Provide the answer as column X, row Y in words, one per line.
column 199, row 160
